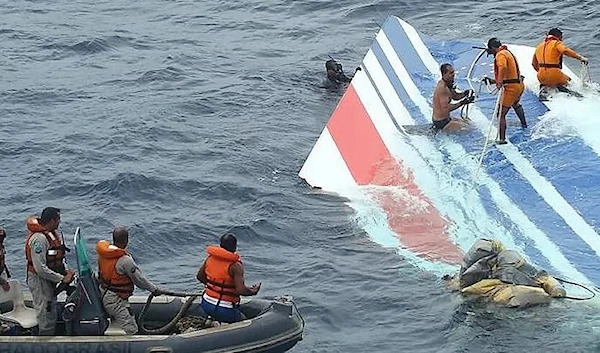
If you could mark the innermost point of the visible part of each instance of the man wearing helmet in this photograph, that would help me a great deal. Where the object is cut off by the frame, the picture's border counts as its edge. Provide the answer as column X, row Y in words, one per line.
column 547, row 61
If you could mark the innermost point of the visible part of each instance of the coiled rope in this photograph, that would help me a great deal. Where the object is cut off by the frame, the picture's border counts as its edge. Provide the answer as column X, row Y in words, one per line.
column 171, row 324
column 578, row 285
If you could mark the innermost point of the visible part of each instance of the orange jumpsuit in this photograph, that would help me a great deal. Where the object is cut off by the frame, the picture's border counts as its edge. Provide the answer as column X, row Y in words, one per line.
column 547, row 61
column 506, row 71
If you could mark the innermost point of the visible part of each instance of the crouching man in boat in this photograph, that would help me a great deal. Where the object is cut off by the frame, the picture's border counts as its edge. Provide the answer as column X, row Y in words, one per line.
column 3, row 269
column 118, row 274
column 223, row 275
column 547, row 61
column 445, row 92
column 45, row 255
column 503, row 276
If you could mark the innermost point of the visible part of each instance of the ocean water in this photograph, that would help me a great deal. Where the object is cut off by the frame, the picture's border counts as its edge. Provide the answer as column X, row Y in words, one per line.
column 183, row 120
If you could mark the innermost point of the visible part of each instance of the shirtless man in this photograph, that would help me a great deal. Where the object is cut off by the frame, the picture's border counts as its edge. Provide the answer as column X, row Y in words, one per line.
column 444, row 93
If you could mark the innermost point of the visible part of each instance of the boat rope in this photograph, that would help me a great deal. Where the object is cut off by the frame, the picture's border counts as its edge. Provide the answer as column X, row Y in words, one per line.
column 578, row 285
column 464, row 110
column 171, row 324
column 487, row 137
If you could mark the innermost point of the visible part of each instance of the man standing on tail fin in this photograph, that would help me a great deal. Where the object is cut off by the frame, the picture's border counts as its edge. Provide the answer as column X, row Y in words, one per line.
column 547, row 61
column 445, row 92
column 508, row 76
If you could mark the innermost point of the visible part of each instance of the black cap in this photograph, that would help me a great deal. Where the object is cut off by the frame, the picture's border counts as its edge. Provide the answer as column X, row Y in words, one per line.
column 494, row 43
column 555, row 32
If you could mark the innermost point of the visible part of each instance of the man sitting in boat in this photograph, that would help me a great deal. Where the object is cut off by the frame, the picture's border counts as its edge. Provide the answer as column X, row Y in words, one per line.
column 503, row 276
column 223, row 276
column 117, row 274
column 547, row 61
column 445, row 92
column 3, row 269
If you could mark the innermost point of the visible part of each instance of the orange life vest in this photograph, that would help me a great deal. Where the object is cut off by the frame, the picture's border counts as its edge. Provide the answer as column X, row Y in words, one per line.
column 548, row 55
column 56, row 251
column 513, row 74
column 220, row 284
column 109, row 278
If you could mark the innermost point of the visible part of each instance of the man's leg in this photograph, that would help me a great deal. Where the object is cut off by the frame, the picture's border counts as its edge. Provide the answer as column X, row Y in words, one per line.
column 502, row 125
column 520, row 113
column 120, row 311
column 44, row 303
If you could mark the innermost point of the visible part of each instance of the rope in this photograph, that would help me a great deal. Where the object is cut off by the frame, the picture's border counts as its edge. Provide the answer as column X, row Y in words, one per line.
column 578, row 285
column 171, row 324
column 487, row 138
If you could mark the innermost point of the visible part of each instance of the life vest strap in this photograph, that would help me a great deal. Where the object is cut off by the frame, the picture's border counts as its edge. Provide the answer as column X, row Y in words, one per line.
column 513, row 80
column 548, row 66
column 219, row 284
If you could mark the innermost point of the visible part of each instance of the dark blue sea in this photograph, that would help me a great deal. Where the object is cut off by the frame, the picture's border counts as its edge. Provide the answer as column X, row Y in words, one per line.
column 183, row 120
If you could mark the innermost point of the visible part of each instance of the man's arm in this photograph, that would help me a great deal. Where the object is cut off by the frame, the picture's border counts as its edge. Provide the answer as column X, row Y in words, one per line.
column 563, row 49
column 535, row 63
column 442, row 95
column 201, row 275
column 39, row 248
column 502, row 63
column 459, row 95
column 126, row 266
column 237, row 272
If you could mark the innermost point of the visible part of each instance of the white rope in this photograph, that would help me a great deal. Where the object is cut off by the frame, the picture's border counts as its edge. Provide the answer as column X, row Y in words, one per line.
column 487, row 137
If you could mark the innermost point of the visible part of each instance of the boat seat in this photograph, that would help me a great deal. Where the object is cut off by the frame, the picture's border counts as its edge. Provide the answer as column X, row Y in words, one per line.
column 20, row 314
column 113, row 329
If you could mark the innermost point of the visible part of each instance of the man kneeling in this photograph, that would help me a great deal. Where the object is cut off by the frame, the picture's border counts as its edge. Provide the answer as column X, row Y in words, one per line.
column 117, row 274
column 223, row 275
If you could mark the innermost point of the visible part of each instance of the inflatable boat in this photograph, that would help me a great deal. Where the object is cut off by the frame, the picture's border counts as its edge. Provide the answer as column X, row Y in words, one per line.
column 168, row 324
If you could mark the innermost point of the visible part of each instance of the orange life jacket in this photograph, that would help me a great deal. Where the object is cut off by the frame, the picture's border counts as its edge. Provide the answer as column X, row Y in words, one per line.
column 109, row 278
column 548, row 55
column 220, row 284
column 513, row 74
column 56, row 251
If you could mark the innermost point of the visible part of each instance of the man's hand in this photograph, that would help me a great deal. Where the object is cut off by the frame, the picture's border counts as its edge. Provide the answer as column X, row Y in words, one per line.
column 158, row 292
column 68, row 278
column 499, row 85
column 467, row 100
column 6, row 286
column 584, row 60
column 255, row 288
column 487, row 80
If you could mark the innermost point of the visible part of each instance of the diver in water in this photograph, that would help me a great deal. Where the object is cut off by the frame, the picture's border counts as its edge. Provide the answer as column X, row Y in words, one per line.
column 335, row 74
column 547, row 61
